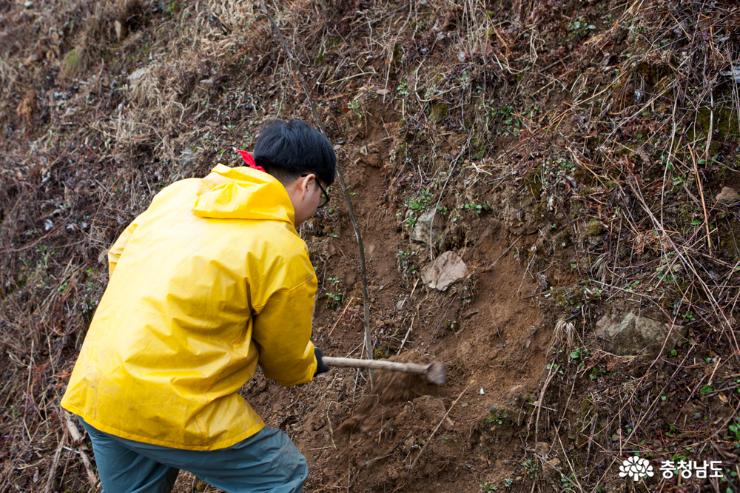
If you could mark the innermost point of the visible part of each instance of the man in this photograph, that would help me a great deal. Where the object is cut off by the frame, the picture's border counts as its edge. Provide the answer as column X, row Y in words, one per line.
column 210, row 281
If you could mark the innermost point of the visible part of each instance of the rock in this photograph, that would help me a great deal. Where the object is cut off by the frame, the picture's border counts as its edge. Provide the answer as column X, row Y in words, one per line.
column 187, row 157
column 137, row 74
column 420, row 232
column 551, row 468
column 444, row 271
column 727, row 196
column 633, row 335
column 542, row 449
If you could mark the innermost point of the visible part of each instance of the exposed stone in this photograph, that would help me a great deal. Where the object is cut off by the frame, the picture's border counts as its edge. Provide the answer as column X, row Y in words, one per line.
column 420, row 232
column 137, row 74
column 444, row 271
column 187, row 157
column 635, row 335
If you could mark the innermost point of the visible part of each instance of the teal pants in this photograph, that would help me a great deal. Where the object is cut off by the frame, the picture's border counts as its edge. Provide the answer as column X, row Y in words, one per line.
column 267, row 461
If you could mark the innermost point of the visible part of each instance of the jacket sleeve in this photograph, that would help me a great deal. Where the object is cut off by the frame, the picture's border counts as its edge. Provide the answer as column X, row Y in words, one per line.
column 282, row 331
column 115, row 251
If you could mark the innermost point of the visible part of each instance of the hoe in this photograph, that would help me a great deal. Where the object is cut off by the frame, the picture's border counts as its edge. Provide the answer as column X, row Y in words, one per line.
column 434, row 372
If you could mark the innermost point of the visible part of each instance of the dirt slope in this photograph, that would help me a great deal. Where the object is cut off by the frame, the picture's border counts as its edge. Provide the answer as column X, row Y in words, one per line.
column 580, row 157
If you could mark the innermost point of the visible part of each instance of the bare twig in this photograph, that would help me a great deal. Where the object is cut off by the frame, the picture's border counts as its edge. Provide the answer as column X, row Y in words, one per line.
column 77, row 438
column 701, row 194
column 55, row 462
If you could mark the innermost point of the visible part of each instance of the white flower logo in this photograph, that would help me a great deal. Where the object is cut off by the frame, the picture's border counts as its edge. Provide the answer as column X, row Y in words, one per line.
column 636, row 468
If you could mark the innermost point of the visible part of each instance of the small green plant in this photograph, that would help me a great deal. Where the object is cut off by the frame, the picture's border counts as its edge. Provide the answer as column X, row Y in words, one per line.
column 578, row 354
column 498, row 417
column 487, row 487
column 531, row 467
column 510, row 120
column 593, row 293
column 554, row 368
column 565, row 164
column 678, row 457
column 734, row 428
column 334, row 293
column 632, row 285
column 416, row 205
column 567, row 484
column 477, row 208
column 671, row 432
column 172, row 7
column 72, row 61
column 402, row 89
column 580, row 26
column 356, row 107
column 508, row 483
column 596, row 373
column 420, row 202
column 405, row 262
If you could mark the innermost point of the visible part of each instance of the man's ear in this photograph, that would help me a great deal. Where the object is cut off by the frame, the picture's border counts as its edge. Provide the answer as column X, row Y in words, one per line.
column 307, row 181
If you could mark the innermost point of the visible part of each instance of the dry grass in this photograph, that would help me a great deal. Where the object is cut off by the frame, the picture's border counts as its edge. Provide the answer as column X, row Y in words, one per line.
column 609, row 129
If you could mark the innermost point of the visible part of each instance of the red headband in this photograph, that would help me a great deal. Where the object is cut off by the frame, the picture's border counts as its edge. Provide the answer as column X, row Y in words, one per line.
column 249, row 160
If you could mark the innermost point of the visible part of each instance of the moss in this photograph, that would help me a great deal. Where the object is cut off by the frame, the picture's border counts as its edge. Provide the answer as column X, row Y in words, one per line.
column 594, row 228
column 723, row 123
column 729, row 233
column 439, row 112
column 72, row 62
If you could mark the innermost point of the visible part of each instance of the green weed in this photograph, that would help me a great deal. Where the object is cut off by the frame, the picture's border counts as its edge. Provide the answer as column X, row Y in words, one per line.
column 580, row 27
column 532, row 468
column 334, row 294
column 356, row 106
column 476, row 207
column 420, row 202
column 486, row 487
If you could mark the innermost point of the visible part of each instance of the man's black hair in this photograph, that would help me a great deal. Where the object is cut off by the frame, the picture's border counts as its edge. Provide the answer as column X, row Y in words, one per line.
column 292, row 148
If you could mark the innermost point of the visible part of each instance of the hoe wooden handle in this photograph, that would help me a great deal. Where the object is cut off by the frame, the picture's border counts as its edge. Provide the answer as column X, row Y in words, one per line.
column 434, row 372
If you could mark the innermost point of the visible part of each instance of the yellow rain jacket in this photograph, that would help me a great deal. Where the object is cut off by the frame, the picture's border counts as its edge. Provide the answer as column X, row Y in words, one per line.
column 209, row 281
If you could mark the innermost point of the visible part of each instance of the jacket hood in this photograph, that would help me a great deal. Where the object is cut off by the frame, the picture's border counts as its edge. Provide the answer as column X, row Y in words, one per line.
column 243, row 193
